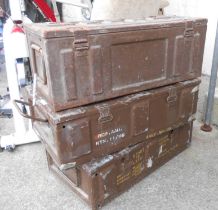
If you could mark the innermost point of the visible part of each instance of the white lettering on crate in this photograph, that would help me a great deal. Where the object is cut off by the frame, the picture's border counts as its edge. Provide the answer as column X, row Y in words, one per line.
column 110, row 137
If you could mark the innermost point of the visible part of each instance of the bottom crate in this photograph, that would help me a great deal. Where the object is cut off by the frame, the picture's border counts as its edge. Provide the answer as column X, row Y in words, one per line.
column 101, row 180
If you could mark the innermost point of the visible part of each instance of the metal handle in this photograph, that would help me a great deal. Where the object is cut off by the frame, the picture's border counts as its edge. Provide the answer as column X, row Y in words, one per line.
column 15, row 102
column 35, row 48
column 172, row 98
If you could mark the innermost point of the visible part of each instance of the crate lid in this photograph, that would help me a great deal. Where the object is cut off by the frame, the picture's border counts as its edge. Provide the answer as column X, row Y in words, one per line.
column 55, row 30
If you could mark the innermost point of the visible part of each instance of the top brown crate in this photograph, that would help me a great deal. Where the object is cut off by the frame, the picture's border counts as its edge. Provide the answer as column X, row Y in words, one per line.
column 83, row 63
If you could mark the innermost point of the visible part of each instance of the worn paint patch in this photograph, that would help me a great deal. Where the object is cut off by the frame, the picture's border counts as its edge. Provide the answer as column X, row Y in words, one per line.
column 135, row 97
column 106, row 195
column 67, row 115
column 149, row 163
column 195, row 89
column 192, row 117
column 96, row 164
column 104, row 176
column 161, row 149
column 152, row 135
column 42, row 102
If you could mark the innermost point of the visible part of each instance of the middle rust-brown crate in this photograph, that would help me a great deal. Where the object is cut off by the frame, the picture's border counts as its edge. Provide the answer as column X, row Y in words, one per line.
column 82, row 63
column 76, row 136
column 101, row 180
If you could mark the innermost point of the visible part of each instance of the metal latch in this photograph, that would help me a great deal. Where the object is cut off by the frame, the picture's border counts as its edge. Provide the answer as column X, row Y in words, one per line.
column 105, row 114
column 67, row 166
column 172, row 98
column 81, row 44
column 189, row 32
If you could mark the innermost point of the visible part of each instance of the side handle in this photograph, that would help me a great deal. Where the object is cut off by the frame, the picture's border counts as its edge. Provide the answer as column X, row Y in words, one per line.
column 16, row 102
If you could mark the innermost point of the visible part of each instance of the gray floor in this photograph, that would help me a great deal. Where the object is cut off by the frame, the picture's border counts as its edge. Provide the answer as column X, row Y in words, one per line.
column 190, row 181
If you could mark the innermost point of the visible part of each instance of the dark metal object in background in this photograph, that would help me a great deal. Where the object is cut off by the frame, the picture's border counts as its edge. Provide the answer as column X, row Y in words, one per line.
column 5, row 112
column 33, row 12
column 77, row 135
column 101, row 180
column 212, row 87
column 83, row 63
column 4, row 4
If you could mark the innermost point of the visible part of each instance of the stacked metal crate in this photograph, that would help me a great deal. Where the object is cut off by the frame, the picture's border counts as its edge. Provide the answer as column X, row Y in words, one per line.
column 112, row 101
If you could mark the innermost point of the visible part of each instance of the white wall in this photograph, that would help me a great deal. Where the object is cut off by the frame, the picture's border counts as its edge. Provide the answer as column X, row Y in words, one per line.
column 124, row 9
column 199, row 8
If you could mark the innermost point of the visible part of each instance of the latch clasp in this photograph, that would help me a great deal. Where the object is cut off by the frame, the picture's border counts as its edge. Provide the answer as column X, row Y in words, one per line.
column 172, row 98
column 81, row 44
column 105, row 114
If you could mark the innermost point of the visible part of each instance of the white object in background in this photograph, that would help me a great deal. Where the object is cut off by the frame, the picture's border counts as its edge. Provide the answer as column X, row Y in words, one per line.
column 199, row 8
column 22, row 6
column 75, row 10
column 26, row 20
column 10, row 63
column 21, row 73
column 18, row 42
column 80, row 3
column 125, row 9
column 164, row 3
column 15, row 7
column 12, row 48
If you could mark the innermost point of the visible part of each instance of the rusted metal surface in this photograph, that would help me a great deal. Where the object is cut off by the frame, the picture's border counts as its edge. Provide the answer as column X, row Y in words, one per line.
column 76, row 136
column 101, row 180
column 81, row 63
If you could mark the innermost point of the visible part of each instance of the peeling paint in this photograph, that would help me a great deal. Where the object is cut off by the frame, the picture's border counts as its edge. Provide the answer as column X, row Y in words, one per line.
column 146, row 129
column 195, row 89
column 190, row 81
column 161, row 149
column 42, row 102
column 67, row 115
column 104, row 176
column 138, row 96
column 106, row 195
column 192, row 117
column 96, row 164
column 150, row 163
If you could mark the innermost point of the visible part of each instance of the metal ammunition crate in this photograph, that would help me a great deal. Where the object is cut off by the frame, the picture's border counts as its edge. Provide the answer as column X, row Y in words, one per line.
column 82, row 63
column 77, row 135
column 101, row 180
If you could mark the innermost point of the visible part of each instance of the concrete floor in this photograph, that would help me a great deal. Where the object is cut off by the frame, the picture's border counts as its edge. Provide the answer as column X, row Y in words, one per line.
column 189, row 181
